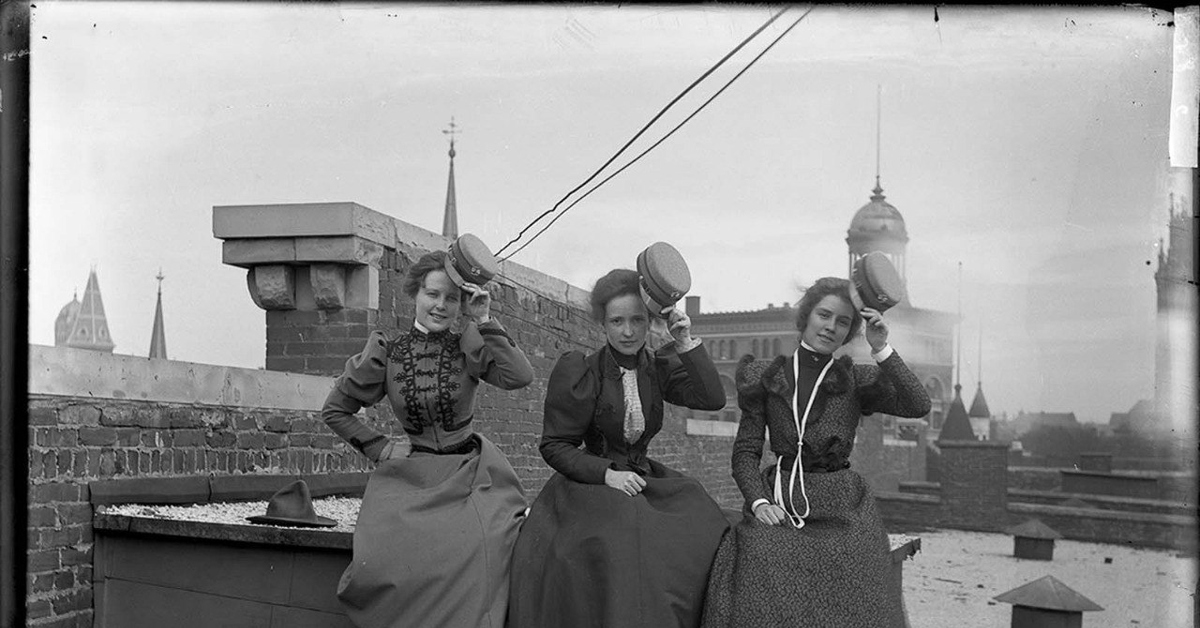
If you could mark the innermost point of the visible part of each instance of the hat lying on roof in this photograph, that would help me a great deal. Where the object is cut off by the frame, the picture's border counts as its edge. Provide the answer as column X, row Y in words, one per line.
column 470, row 261
column 292, row 506
column 875, row 283
column 663, row 276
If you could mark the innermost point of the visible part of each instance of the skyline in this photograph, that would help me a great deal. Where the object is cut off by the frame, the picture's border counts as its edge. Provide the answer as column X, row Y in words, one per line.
column 1028, row 144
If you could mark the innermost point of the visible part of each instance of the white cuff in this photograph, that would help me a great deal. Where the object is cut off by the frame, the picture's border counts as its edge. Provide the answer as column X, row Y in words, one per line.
column 883, row 354
column 758, row 501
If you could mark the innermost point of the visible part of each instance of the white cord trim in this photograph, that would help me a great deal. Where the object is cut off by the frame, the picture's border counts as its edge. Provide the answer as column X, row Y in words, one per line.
column 796, row 518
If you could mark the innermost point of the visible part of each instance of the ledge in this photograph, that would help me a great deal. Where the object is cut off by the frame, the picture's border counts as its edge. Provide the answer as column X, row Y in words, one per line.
column 67, row 372
column 260, row 534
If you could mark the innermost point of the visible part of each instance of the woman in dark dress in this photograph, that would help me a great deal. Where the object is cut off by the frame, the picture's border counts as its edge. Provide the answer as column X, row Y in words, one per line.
column 439, row 518
column 616, row 539
column 812, row 551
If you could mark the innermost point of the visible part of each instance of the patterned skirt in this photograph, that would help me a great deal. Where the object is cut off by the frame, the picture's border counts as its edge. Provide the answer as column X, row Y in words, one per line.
column 433, row 542
column 835, row 571
column 590, row 555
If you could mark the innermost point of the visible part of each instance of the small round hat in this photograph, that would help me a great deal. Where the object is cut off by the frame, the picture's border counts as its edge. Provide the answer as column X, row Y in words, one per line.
column 876, row 282
column 470, row 261
column 663, row 276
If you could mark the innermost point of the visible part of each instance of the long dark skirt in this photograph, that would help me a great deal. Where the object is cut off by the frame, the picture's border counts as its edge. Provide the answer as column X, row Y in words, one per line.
column 832, row 572
column 433, row 542
column 590, row 555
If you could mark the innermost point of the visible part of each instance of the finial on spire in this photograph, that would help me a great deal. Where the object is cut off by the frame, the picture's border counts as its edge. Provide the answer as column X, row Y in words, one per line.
column 451, row 132
column 159, row 277
column 958, row 359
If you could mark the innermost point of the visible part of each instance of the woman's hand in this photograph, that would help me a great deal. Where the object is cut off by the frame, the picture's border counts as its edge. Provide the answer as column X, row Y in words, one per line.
column 394, row 450
column 627, row 482
column 874, row 328
column 478, row 304
column 770, row 514
column 680, row 327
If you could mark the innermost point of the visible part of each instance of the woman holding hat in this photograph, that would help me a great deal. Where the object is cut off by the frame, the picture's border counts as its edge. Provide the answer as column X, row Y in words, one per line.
column 439, row 517
column 812, row 550
column 616, row 538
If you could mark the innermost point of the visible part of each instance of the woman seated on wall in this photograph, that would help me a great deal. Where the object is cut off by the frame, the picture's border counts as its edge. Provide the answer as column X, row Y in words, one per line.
column 812, row 551
column 616, row 538
column 439, row 518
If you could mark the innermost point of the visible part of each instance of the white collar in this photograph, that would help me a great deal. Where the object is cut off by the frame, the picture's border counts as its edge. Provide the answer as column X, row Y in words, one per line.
column 421, row 328
column 808, row 346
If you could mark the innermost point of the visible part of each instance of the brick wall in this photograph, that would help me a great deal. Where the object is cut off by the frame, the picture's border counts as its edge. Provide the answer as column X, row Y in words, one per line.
column 1179, row 486
column 974, row 482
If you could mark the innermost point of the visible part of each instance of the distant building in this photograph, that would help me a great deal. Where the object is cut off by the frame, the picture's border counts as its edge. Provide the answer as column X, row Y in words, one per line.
column 158, row 335
column 82, row 324
column 1175, row 350
column 1027, row 421
column 1141, row 418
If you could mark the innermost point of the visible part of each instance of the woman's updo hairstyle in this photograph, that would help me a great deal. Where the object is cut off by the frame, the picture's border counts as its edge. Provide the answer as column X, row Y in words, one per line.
column 618, row 282
column 414, row 278
column 820, row 289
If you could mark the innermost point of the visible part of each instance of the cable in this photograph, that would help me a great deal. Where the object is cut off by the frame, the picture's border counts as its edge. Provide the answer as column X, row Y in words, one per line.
column 642, row 130
column 660, row 141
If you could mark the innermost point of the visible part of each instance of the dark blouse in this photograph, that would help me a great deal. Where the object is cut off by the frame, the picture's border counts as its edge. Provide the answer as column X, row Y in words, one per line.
column 585, row 404
column 430, row 380
column 849, row 392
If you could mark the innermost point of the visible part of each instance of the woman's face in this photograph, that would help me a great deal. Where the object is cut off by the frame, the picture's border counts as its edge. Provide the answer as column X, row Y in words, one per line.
column 625, row 323
column 828, row 324
column 437, row 301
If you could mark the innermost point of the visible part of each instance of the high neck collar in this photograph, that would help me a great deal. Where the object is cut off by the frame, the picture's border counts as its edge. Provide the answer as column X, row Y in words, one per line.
column 625, row 361
column 421, row 331
column 810, row 356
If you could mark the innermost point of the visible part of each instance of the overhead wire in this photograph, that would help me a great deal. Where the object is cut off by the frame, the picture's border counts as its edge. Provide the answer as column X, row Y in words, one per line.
column 660, row 141
column 646, row 127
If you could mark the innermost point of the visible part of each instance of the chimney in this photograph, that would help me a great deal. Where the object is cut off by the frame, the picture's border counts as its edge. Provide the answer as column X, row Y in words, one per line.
column 691, row 306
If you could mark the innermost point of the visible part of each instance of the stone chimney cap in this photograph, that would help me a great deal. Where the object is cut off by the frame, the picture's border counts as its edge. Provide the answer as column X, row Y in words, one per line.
column 1048, row 593
column 1034, row 529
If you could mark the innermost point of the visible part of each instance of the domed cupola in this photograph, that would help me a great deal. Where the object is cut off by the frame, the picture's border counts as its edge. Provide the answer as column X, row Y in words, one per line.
column 65, row 321
column 878, row 226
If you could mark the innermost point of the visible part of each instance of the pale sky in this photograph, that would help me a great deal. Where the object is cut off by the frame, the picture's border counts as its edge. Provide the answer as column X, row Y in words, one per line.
column 1029, row 144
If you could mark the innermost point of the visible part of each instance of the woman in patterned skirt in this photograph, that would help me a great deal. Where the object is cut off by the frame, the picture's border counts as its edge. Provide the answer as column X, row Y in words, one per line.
column 616, row 539
column 439, row 517
column 811, row 550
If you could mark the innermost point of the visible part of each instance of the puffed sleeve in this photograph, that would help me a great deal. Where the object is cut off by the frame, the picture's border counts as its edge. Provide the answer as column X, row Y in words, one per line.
column 570, row 404
column 748, row 445
column 689, row 379
column 493, row 356
column 891, row 388
column 361, row 384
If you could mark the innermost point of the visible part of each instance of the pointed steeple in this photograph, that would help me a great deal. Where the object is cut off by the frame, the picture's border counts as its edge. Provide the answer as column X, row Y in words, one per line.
column 90, row 328
column 158, row 336
column 957, row 425
column 450, row 219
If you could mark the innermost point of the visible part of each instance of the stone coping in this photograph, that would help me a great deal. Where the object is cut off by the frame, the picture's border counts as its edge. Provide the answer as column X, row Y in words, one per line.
column 80, row 373
column 248, row 533
column 203, row 489
column 1111, row 474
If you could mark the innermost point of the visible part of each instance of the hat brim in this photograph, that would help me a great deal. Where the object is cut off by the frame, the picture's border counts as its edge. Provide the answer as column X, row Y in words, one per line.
column 321, row 522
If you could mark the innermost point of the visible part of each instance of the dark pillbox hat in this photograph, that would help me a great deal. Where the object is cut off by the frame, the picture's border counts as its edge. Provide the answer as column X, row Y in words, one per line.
column 470, row 261
column 876, row 281
column 663, row 275
column 292, row 506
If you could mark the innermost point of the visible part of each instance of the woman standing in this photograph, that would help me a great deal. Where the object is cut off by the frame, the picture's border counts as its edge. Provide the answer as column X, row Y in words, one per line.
column 438, row 521
column 616, row 539
column 812, row 550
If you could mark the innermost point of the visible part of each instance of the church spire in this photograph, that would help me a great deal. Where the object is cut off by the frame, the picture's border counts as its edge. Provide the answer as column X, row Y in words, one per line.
column 158, row 336
column 450, row 220
column 979, row 407
column 89, row 330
